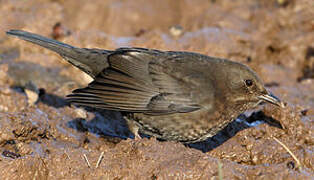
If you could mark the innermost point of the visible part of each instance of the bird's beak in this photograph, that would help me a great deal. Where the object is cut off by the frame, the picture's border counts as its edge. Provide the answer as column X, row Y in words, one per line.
column 270, row 98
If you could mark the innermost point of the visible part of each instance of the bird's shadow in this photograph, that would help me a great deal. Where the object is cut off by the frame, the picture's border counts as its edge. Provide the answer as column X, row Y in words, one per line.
column 52, row 100
column 111, row 124
column 45, row 98
column 104, row 123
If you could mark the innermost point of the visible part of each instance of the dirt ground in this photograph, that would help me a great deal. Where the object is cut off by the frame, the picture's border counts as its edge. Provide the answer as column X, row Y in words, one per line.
column 46, row 138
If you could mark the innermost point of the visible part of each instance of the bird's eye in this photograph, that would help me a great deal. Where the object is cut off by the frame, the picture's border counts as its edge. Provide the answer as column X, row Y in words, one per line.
column 248, row 82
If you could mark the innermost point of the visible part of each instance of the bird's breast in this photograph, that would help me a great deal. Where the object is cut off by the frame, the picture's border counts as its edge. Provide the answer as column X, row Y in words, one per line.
column 187, row 127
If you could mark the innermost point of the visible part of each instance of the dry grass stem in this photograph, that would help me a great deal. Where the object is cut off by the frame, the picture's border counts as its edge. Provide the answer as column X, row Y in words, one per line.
column 220, row 174
column 99, row 159
column 290, row 152
column 86, row 159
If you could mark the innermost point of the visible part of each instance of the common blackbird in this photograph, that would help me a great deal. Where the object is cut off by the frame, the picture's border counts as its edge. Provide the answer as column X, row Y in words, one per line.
column 176, row 96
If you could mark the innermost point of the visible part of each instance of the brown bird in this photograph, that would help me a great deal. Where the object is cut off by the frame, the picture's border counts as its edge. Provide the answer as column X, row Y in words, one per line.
column 177, row 96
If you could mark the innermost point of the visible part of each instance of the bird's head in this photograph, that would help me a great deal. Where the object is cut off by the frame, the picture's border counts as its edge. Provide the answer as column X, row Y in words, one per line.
column 245, row 87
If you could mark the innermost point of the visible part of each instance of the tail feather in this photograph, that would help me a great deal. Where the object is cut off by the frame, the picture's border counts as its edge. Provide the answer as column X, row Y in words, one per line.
column 91, row 61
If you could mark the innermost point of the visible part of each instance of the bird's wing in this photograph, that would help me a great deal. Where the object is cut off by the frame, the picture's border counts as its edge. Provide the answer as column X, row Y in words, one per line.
column 137, row 81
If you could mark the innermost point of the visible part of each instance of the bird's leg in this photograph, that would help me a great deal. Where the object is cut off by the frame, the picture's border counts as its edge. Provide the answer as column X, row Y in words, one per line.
column 133, row 127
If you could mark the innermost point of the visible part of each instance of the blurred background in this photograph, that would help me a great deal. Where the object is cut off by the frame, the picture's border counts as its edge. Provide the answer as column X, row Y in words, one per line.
column 274, row 37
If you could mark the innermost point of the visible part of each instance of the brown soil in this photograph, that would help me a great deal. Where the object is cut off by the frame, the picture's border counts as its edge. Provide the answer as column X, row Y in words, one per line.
column 49, row 139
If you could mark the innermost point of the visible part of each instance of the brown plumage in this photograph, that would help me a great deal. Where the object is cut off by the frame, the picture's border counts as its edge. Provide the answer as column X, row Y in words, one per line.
column 179, row 96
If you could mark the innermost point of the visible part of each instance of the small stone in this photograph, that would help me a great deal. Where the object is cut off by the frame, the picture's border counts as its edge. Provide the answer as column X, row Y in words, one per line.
column 291, row 165
column 3, row 108
column 5, row 91
column 176, row 30
column 81, row 113
column 32, row 93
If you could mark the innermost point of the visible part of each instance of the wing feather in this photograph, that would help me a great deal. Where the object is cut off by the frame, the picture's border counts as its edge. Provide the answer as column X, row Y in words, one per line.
column 137, row 81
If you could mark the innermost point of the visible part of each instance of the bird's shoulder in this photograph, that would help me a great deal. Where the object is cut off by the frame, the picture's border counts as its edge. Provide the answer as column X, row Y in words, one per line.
column 176, row 63
column 176, row 72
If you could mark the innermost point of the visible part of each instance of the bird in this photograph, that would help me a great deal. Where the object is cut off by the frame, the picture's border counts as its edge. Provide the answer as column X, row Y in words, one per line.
column 171, row 95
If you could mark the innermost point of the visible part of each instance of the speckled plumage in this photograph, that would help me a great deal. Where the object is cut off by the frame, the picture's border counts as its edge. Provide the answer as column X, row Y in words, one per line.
column 178, row 96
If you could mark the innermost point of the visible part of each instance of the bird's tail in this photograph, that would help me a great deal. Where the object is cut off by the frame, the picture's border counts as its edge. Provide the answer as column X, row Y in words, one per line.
column 91, row 61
